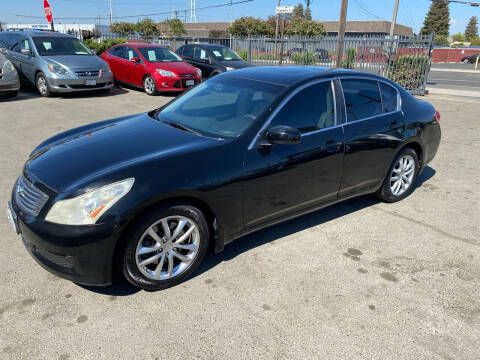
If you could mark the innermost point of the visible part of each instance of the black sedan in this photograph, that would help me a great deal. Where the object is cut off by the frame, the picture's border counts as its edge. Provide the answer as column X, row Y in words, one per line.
column 212, row 59
column 470, row 59
column 237, row 153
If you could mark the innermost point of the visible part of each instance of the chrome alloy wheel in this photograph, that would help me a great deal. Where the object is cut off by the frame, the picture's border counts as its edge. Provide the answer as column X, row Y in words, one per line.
column 167, row 248
column 149, row 85
column 42, row 85
column 402, row 175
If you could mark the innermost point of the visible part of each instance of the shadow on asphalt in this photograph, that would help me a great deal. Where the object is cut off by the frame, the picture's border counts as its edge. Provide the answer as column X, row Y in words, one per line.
column 122, row 287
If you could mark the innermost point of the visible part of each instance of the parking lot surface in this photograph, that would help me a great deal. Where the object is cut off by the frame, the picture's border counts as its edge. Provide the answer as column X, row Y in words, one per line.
column 357, row 280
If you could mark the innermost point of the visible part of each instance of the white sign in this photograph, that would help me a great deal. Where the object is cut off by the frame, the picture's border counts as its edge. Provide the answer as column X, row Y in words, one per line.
column 284, row 9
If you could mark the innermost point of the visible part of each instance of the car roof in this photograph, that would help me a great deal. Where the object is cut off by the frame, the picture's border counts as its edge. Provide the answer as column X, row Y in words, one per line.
column 138, row 45
column 41, row 33
column 296, row 75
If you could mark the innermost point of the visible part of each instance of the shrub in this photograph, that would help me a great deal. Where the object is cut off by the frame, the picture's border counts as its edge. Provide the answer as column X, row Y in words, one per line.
column 243, row 54
column 349, row 62
column 304, row 58
column 409, row 70
column 104, row 45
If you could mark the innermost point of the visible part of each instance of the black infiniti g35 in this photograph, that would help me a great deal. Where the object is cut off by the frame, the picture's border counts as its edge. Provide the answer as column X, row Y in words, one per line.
column 147, row 194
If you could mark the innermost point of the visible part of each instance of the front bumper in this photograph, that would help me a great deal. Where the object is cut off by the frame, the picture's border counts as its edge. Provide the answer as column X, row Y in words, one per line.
column 9, row 83
column 175, row 83
column 66, row 85
column 82, row 254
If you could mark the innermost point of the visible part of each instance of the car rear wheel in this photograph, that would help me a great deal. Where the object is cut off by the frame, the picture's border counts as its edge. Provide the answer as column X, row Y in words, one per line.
column 150, row 86
column 466, row 61
column 42, row 85
column 400, row 180
column 165, row 247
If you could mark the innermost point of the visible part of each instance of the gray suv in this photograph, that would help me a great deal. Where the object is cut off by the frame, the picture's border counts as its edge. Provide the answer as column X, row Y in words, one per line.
column 9, row 84
column 54, row 62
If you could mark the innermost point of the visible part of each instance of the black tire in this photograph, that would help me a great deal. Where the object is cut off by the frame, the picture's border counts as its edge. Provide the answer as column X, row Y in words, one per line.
column 466, row 61
column 43, row 89
column 150, row 90
column 385, row 192
column 133, row 237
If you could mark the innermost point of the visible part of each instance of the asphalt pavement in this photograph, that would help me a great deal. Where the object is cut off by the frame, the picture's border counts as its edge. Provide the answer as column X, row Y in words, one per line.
column 449, row 78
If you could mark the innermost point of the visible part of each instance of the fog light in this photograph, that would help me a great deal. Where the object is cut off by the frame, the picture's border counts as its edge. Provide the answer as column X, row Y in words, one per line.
column 164, row 84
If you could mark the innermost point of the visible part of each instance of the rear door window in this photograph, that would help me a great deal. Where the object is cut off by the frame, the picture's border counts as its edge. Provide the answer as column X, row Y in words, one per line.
column 362, row 99
column 389, row 98
column 200, row 53
column 311, row 109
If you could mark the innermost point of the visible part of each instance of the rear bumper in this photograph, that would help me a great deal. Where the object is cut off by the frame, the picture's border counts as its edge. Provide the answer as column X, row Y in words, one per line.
column 82, row 254
column 66, row 85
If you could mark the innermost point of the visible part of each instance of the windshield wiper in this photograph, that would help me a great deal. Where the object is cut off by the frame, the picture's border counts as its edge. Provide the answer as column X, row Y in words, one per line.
column 181, row 127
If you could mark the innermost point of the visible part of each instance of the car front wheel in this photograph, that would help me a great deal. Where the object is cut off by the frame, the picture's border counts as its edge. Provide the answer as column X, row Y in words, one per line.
column 165, row 247
column 42, row 85
column 150, row 86
column 466, row 61
column 400, row 180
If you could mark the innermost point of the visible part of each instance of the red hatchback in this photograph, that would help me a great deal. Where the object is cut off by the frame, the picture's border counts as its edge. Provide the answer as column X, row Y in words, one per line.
column 152, row 67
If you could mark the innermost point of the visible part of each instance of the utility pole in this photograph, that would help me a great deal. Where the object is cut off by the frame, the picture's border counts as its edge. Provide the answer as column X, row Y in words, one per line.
column 231, row 13
column 341, row 32
column 394, row 18
column 276, row 27
column 111, row 12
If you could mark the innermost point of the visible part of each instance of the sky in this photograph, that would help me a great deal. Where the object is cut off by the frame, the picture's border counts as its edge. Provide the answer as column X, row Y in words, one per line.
column 411, row 12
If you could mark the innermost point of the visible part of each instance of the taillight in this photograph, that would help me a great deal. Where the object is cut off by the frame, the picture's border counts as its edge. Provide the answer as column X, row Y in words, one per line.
column 436, row 116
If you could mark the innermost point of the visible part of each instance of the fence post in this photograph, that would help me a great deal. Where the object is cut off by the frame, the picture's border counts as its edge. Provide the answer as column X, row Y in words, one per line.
column 427, row 69
column 249, row 51
column 363, row 53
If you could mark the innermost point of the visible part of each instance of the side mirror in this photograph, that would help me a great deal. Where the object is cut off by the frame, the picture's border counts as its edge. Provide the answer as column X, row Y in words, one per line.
column 283, row 135
column 27, row 52
column 3, row 51
column 135, row 60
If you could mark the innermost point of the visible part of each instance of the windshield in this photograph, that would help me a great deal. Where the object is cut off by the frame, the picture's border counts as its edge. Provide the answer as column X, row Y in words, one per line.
column 159, row 54
column 224, row 53
column 51, row 45
column 222, row 107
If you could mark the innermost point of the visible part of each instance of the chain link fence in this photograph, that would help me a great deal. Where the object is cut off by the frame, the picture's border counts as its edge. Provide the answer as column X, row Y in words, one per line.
column 404, row 60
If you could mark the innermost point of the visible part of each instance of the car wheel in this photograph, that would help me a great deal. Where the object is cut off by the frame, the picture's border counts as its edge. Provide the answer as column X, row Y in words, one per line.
column 165, row 247
column 466, row 61
column 150, row 86
column 42, row 85
column 400, row 180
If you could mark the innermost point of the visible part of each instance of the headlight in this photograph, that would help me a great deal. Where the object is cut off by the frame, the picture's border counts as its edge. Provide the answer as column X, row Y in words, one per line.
column 86, row 209
column 199, row 72
column 165, row 73
column 8, row 67
column 106, row 68
column 58, row 69
column 230, row 68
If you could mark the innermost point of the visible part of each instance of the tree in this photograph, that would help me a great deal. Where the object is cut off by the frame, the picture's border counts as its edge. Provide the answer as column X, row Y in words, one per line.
column 249, row 25
column 298, row 12
column 459, row 37
column 306, row 28
column 308, row 12
column 471, row 32
column 441, row 40
column 147, row 27
column 123, row 28
column 475, row 42
column 437, row 19
column 215, row 33
column 176, row 27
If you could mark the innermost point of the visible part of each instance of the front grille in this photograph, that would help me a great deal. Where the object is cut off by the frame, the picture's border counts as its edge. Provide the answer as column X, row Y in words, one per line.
column 64, row 261
column 93, row 73
column 177, row 84
column 29, row 198
column 186, row 75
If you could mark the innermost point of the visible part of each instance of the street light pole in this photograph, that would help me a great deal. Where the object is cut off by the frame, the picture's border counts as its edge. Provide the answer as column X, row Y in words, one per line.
column 394, row 18
column 341, row 32
column 276, row 27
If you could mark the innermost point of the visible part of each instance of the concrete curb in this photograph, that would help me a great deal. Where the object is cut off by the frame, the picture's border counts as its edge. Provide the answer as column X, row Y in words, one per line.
column 453, row 92
column 456, row 70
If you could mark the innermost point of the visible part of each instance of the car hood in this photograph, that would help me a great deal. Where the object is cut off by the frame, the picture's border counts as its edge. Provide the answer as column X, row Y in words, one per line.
column 179, row 67
column 92, row 62
column 236, row 64
column 79, row 156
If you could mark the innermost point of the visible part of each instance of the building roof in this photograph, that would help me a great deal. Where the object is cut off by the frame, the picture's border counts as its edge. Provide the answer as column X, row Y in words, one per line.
column 202, row 29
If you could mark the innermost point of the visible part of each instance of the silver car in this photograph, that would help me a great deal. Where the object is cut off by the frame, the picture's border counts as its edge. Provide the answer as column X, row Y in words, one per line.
column 9, row 83
column 56, row 63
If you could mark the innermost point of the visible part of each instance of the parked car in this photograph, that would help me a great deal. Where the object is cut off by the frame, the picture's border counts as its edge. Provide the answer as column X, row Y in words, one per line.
column 9, row 83
column 470, row 59
column 151, row 67
column 239, row 152
column 212, row 59
column 55, row 63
